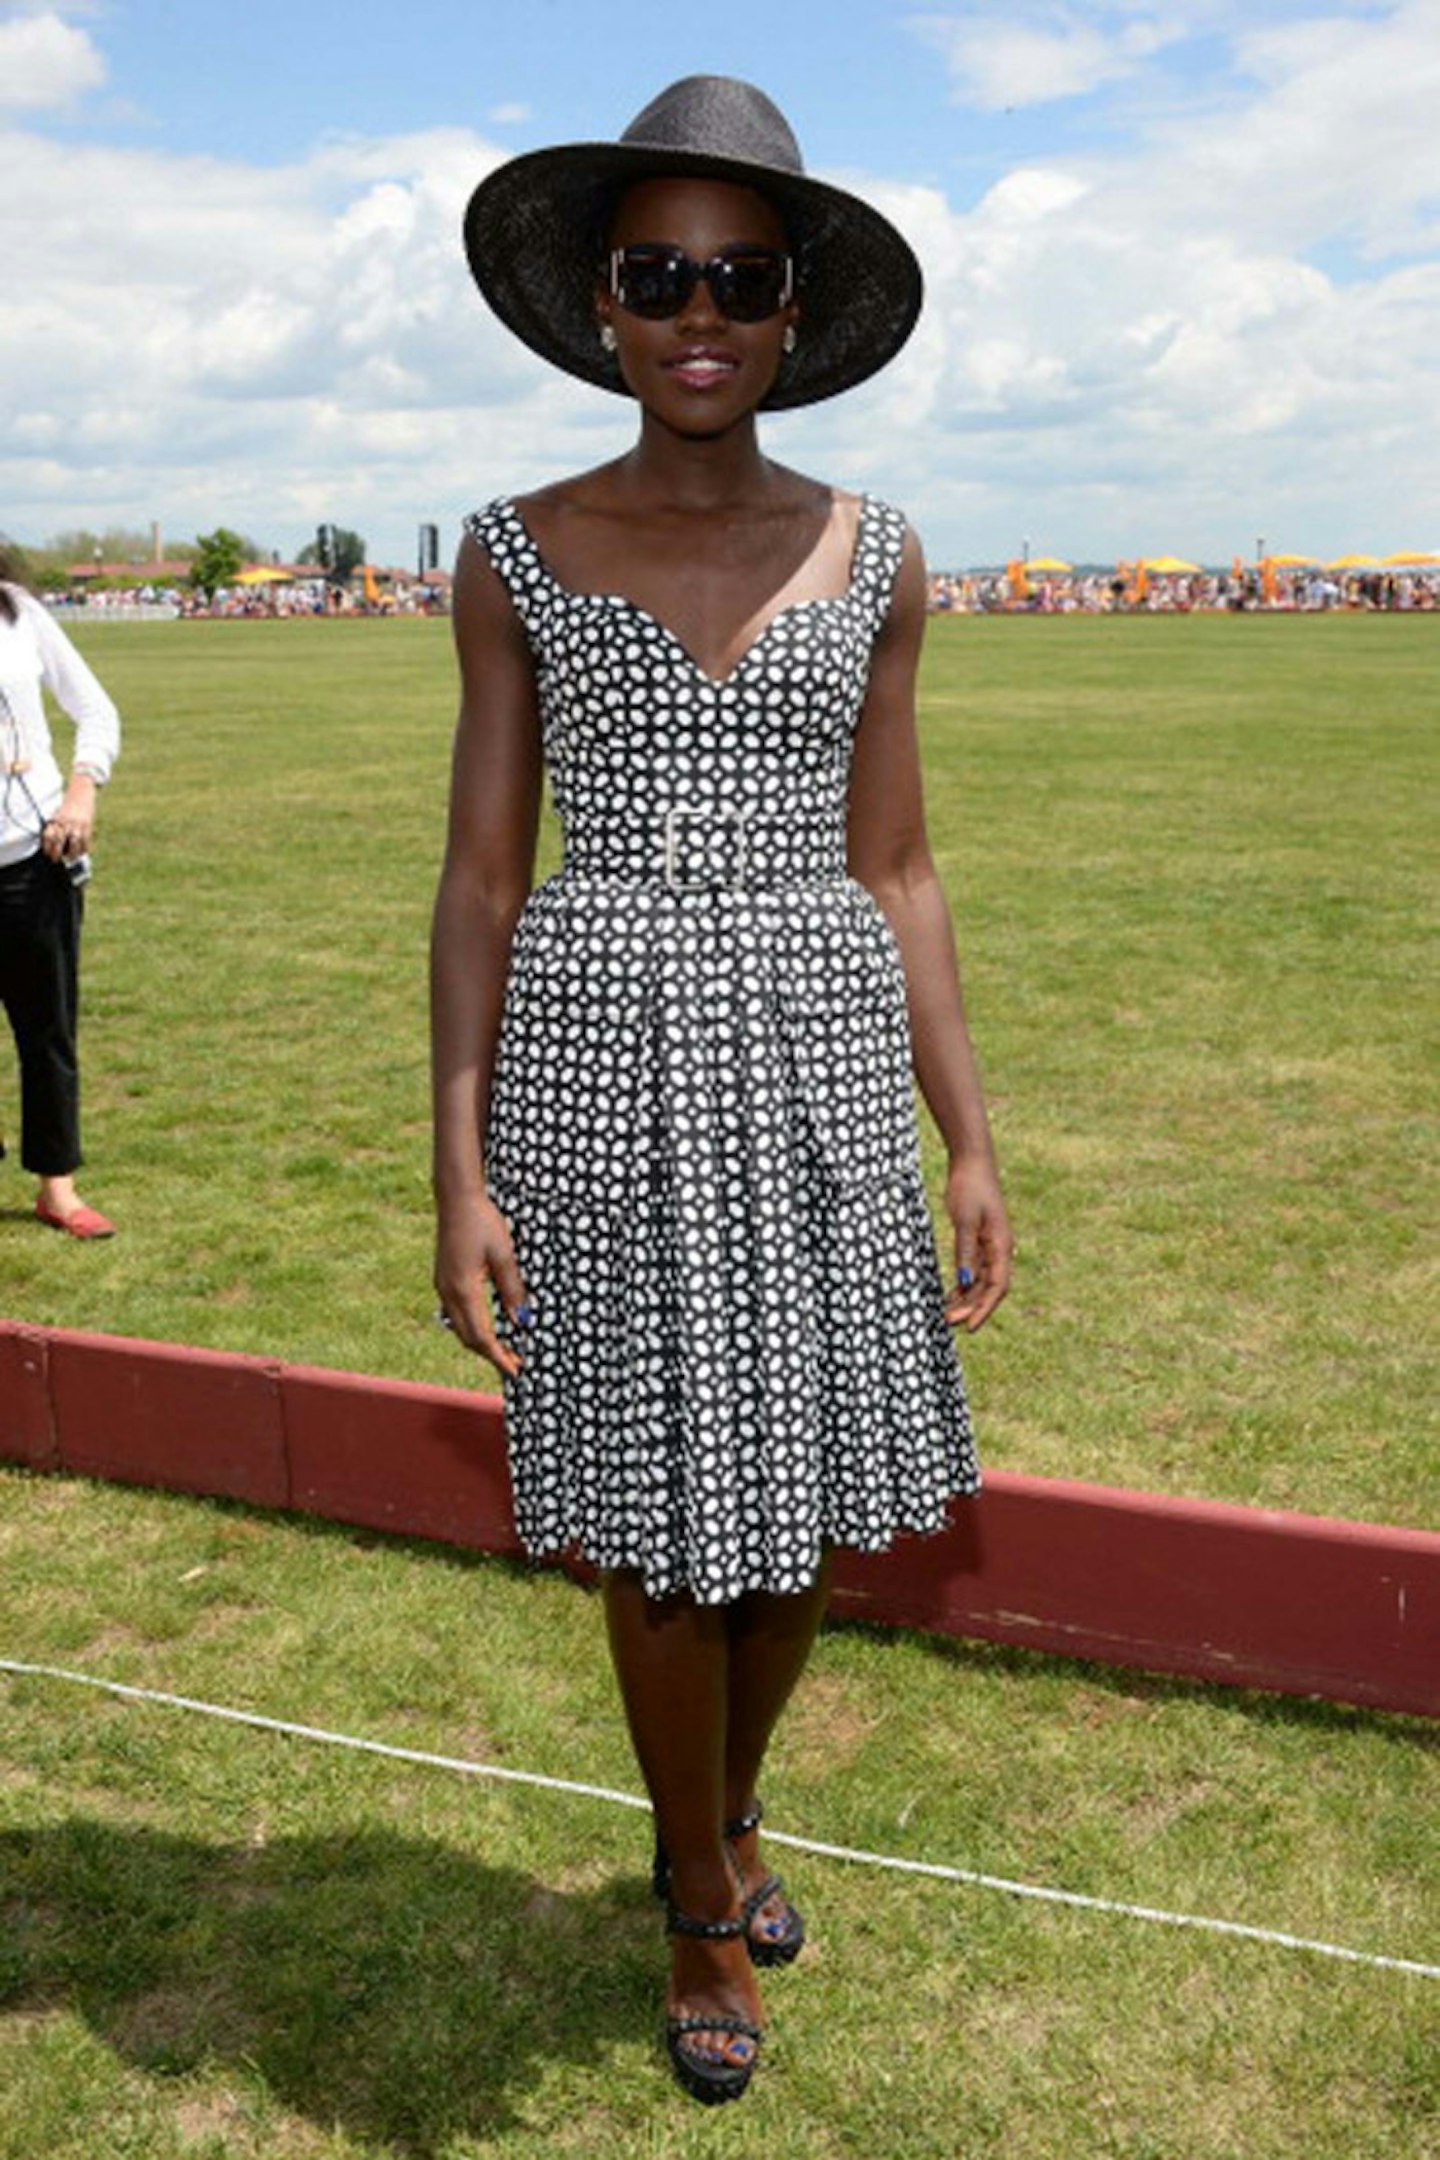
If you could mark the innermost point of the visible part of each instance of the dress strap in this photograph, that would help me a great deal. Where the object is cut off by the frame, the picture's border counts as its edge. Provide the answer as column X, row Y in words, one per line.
column 879, row 542
column 500, row 530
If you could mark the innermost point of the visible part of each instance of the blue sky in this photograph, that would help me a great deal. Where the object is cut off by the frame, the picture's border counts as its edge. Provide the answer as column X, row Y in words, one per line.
column 1183, row 263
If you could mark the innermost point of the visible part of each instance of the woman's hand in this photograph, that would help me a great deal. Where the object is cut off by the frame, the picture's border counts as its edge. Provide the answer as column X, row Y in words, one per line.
column 67, row 835
column 473, row 1249
column 984, row 1246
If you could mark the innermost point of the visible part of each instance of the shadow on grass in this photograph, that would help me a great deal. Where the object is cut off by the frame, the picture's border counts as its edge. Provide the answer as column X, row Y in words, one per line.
column 378, row 1981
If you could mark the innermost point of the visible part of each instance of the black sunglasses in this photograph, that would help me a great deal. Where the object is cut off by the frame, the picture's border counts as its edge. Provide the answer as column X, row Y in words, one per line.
column 747, row 284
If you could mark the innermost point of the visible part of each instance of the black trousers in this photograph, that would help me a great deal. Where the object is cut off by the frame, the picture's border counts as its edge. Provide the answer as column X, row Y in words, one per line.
column 40, row 916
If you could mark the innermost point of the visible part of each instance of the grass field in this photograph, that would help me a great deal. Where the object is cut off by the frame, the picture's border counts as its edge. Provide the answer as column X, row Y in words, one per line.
column 219, row 1943
column 1188, row 864
column 1186, row 861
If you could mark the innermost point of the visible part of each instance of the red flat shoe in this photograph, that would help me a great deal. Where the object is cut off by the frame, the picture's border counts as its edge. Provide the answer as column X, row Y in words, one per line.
column 84, row 1222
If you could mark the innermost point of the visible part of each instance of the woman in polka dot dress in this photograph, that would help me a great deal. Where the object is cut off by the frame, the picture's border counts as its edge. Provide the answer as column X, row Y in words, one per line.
column 674, row 1115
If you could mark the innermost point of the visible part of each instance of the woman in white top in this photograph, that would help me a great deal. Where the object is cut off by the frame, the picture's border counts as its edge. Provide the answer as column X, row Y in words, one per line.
column 45, row 829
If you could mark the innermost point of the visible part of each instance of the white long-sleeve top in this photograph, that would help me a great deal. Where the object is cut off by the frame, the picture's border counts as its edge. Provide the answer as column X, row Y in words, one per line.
column 35, row 650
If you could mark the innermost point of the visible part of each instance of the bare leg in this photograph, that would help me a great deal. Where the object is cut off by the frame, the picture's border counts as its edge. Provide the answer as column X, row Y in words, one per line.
column 770, row 1640
column 672, row 1659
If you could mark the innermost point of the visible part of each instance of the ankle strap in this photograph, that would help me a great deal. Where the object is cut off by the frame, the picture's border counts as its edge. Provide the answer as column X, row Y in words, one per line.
column 679, row 1923
column 742, row 1825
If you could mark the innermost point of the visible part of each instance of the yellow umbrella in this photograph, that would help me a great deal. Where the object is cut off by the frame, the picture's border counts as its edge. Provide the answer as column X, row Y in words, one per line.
column 1048, row 562
column 1354, row 562
column 1418, row 556
column 263, row 576
column 1291, row 562
column 1170, row 566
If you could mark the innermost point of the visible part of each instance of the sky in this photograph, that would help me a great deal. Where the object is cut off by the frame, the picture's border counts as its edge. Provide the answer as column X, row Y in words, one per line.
column 1182, row 263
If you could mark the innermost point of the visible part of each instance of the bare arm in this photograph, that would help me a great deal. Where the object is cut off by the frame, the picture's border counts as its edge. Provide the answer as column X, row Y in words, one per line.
column 890, row 855
column 489, row 863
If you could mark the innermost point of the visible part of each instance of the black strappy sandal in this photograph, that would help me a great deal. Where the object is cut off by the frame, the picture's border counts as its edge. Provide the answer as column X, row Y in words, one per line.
column 781, row 1949
column 785, row 1946
column 707, row 2079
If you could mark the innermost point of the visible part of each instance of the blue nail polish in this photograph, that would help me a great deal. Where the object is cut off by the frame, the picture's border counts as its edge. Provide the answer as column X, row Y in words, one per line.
column 525, row 1315
column 965, row 1279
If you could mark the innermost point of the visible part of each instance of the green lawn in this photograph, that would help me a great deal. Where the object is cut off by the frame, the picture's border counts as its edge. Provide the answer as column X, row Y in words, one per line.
column 1187, row 860
column 220, row 1943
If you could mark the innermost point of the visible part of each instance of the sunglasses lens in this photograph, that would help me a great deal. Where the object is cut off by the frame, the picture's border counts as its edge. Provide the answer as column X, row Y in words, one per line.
column 653, row 282
column 751, row 287
column 657, row 282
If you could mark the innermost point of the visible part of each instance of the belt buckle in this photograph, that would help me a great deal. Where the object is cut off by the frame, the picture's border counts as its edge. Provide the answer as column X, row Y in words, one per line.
column 676, row 816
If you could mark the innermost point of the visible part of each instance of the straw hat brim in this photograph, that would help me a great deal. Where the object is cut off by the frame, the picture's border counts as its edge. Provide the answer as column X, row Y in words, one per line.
column 533, row 239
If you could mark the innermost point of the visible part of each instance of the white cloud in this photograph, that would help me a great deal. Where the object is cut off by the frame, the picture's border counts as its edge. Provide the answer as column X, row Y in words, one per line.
column 201, row 341
column 1225, row 328
column 508, row 115
column 45, row 63
column 1004, row 58
column 1227, row 325
column 1342, row 138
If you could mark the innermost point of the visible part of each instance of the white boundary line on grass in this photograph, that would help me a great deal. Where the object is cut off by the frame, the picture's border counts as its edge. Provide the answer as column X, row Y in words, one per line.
column 892, row 1861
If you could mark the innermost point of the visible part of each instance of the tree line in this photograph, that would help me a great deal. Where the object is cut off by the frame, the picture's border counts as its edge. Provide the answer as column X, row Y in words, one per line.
column 211, row 559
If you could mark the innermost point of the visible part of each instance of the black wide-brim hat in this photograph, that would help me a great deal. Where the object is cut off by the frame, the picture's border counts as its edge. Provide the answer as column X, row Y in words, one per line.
column 535, row 232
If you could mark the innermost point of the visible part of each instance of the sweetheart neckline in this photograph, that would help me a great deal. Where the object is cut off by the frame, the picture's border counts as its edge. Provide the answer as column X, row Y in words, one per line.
column 673, row 637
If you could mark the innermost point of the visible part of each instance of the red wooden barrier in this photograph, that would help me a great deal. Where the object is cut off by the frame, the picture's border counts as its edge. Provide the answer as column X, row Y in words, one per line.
column 148, row 1414
column 27, row 1431
column 1249, row 1596
column 428, row 1461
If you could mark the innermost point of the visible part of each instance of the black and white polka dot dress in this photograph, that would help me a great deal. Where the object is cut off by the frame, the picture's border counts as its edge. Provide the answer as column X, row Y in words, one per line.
column 702, row 1125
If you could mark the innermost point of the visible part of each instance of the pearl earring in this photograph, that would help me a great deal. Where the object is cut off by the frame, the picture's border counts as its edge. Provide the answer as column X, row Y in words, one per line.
column 607, row 337
column 789, row 339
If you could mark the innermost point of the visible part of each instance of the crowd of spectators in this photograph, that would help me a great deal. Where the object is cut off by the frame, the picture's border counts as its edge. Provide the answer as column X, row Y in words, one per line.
column 149, row 599
column 317, row 596
column 302, row 595
column 1010, row 590
column 1126, row 591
